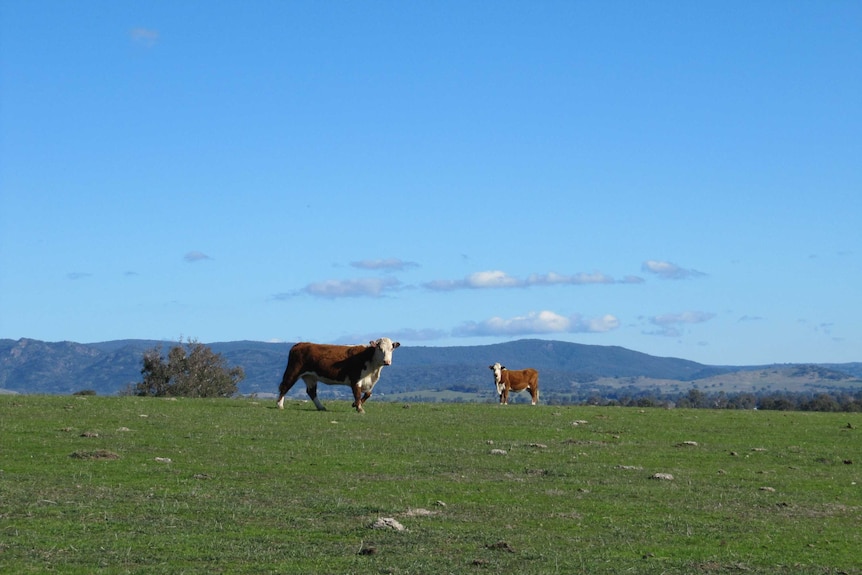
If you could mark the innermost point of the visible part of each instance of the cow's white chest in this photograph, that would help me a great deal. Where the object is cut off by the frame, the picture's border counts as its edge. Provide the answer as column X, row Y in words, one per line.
column 367, row 379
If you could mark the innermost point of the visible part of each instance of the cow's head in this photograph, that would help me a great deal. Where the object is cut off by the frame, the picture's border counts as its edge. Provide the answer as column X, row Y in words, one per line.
column 383, row 349
column 498, row 376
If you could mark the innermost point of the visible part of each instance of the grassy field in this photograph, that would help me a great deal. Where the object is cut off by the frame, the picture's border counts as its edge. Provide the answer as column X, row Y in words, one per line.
column 137, row 485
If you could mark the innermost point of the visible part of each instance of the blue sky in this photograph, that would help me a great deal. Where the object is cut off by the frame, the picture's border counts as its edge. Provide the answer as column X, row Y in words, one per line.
column 678, row 178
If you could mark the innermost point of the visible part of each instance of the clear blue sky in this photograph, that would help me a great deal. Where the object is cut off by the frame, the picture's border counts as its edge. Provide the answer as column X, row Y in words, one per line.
column 678, row 178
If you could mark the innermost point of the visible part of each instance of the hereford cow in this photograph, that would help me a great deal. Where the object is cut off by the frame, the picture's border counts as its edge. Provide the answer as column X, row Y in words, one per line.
column 355, row 365
column 508, row 380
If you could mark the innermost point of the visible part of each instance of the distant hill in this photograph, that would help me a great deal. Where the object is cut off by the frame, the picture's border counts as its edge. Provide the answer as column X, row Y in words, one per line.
column 33, row 366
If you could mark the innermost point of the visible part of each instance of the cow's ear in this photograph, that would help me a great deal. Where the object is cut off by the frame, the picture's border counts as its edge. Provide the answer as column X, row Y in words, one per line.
column 491, row 367
column 396, row 344
column 372, row 343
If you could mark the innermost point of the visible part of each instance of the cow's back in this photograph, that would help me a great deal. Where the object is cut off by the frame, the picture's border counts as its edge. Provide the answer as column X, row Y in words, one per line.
column 531, row 376
column 521, row 376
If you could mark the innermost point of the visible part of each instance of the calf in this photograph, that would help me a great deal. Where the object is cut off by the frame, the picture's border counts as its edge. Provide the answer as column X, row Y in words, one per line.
column 508, row 380
column 358, row 366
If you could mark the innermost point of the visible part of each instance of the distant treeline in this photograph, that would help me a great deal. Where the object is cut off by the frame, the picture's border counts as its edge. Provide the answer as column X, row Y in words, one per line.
column 836, row 401
column 839, row 401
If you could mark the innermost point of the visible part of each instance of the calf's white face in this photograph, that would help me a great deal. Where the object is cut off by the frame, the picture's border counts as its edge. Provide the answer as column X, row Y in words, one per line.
column 498, row 376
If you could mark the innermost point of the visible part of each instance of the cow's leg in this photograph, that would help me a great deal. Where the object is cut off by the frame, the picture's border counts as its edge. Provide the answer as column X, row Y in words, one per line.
column 357, row 398
column 534, row 391
column 287, row 382
column 311, row 390
column 504, row 397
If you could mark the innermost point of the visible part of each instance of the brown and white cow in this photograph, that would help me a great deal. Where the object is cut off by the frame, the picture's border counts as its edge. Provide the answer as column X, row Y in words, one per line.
column 515, row 380
column 358, row 366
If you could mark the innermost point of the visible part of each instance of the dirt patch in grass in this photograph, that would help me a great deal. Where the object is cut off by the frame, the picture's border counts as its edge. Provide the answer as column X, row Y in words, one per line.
column 98, row 454
column 501, row 546
column 815, row 512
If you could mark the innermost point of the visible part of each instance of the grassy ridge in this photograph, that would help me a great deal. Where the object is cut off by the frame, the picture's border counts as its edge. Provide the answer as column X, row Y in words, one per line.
column 250, row 489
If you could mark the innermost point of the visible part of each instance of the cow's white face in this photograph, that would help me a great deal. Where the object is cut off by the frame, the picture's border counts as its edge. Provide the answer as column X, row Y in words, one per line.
column 498, row 376
column 383, row 349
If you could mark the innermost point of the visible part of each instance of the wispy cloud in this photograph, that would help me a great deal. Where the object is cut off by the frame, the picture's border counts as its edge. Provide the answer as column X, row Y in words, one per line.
column 401, row 335
column 537, row 323
column 561, row 279
column 671, row 324
column 825, row 327
column 196, row 256
column 669, row 270
column 78, row 275
column 332, row 289
column 427, row 334
column 390, row 264
column 491, row 279
column 144, row 36
column 500, row 279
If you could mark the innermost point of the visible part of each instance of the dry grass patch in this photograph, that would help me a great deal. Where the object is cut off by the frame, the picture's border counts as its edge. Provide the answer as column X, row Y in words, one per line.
column 97, row 454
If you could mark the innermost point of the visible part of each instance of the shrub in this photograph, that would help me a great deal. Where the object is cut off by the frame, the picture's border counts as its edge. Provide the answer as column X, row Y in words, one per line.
column 191, row 370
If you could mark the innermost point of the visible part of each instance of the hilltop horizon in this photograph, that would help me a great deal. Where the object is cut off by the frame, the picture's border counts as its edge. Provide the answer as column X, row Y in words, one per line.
column 566, row 369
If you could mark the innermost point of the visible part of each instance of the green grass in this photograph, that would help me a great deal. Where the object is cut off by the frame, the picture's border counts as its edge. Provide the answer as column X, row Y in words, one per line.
column 250, row 489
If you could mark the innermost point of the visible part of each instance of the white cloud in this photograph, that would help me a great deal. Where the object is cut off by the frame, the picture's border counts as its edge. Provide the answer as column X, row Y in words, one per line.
column 670, row 324
column 393, row 264
column 364, row 287
column 478, row 280
column 602, row 324
column 553, row 278
column 669, row 270
column 500, row 279
column 537, row 323
column 491, row 279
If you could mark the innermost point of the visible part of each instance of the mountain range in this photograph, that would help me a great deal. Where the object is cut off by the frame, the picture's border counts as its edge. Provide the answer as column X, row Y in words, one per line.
column 567, row 370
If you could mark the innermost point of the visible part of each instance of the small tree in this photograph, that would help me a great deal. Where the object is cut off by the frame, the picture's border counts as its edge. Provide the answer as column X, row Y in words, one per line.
column 193, row 370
